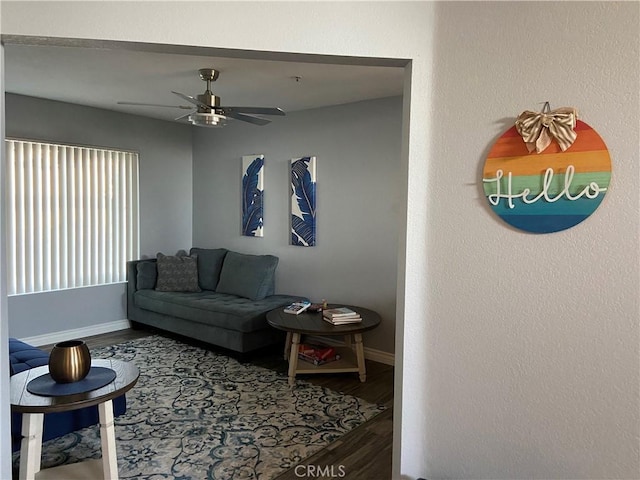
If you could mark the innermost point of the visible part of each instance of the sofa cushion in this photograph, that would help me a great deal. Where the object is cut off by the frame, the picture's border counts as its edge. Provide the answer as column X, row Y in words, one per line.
column 209, row 266
column 177, row 273
column 249, row 276
column 211, row 308
column 23, row 356
column 147, row 275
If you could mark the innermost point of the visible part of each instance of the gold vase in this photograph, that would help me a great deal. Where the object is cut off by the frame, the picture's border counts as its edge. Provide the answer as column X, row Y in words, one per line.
column 69, row 361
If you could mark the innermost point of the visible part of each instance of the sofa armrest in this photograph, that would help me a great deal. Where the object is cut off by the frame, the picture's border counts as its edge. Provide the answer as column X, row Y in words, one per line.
column 132, row 282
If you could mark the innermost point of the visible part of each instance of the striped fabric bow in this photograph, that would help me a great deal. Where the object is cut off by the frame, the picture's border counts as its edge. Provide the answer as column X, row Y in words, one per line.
column 537, row 129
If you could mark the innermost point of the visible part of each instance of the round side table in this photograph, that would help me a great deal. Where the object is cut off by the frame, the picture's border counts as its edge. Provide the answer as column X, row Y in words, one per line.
column 33, row 407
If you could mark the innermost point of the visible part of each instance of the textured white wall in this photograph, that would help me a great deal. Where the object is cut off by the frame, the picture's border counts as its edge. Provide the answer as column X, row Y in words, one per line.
column 533, row 339
column 520, row 352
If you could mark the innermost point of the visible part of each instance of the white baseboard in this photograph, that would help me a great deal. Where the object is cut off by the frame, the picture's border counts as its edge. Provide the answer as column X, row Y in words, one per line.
column 55, row 337
column 369, row 353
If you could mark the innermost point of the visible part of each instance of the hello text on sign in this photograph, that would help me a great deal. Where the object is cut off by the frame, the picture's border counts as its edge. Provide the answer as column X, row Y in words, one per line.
column 591, row 191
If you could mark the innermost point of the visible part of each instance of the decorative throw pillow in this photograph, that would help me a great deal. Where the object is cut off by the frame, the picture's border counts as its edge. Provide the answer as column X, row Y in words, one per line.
column 147, row 275
column 177, row 273
column 209, row 266
column 248, row 276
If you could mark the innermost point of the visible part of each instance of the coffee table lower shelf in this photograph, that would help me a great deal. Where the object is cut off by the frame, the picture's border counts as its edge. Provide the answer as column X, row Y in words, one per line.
column 347, row 363
column 351, row 359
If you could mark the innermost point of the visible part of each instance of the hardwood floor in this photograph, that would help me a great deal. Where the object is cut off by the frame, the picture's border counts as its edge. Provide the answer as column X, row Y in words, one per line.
column 362, row 454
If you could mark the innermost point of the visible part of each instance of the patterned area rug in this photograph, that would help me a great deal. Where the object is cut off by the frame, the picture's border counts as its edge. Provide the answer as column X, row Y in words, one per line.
column 197, row 414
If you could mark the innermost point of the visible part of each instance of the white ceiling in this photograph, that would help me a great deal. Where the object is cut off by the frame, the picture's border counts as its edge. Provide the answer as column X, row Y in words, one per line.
column 100, row 77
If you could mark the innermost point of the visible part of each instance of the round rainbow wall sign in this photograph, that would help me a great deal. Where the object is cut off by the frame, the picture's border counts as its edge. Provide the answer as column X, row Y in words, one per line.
column 549, row 191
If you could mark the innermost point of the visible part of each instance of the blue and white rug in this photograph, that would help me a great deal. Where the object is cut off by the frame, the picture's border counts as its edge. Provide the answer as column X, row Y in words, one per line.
column 195, row 414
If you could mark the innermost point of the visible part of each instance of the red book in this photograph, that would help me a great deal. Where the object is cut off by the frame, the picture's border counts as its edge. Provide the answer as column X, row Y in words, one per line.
column 316, row 354
column 318, row 361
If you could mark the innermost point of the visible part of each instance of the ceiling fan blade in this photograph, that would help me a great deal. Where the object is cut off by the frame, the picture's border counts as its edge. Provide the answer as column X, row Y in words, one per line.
column 184, row 116
column 184, row 107
column 191, row 99
column 247, row 118
column 256, row 110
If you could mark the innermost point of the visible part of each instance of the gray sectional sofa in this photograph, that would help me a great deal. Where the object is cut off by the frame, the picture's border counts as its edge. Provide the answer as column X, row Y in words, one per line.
column 216, row 296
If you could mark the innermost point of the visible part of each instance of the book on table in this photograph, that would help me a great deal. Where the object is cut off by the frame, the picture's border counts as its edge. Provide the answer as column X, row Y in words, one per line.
column 339, row 312
column 341, row 316
column 343, row 320
column 317, row 354
column 297, row 307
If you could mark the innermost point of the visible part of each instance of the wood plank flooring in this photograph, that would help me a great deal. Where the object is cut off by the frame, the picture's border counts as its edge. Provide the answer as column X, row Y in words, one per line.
column 362, row 454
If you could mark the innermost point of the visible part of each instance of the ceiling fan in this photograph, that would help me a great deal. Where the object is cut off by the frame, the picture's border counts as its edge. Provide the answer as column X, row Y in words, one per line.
column 209, row 112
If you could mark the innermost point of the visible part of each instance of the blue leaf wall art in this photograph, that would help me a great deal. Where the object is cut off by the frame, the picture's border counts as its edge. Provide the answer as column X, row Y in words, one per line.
column 253, row 195
column 303, row 201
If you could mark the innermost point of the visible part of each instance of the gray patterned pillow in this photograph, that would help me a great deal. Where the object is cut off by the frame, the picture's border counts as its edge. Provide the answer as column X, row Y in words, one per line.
column 177, row 273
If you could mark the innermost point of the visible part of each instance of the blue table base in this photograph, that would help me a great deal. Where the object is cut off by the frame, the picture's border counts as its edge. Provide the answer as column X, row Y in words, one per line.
column 46, row 386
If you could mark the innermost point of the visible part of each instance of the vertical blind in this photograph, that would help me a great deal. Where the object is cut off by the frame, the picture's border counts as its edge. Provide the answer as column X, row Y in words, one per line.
column 72, row 215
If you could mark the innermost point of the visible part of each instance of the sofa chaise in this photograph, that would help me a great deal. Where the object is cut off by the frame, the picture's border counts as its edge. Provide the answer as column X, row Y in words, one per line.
column 23, row 356
column 216, row 296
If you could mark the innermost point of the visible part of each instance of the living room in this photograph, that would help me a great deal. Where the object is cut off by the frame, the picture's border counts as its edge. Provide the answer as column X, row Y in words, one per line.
column 354, row 261
column 185, row 169
column 511, row 361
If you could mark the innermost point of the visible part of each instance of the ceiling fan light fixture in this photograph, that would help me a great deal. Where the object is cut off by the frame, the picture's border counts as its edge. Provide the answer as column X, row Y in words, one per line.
column 207, row 119
column 209, row 112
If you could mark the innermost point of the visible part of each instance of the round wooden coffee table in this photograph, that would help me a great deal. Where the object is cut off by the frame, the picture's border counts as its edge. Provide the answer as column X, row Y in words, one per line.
column 33, row 407
column 311, row 323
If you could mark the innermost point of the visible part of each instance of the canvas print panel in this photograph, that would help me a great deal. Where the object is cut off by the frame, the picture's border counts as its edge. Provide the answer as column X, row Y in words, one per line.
column 303, row 201
column 253, row 195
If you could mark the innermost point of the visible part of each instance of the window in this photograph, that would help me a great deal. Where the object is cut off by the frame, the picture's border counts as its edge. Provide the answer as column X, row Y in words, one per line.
column 72, row 215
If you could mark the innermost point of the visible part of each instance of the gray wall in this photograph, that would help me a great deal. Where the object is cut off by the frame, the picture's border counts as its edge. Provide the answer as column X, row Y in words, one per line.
column 165, row 201
column 358, row 202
